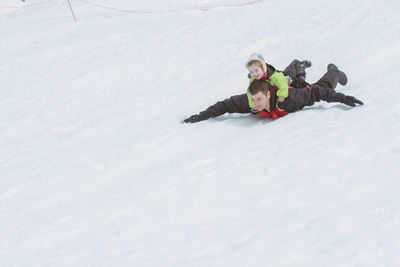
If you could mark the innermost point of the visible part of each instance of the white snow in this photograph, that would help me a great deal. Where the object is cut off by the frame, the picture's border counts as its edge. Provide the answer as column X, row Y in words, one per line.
column 96, row 168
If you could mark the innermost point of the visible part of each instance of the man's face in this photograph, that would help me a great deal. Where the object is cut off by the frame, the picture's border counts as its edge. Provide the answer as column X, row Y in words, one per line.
column 260, row 100
column 255, row 71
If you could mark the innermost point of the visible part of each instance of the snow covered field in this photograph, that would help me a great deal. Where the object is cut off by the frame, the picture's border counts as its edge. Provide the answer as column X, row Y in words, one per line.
column 96, row 168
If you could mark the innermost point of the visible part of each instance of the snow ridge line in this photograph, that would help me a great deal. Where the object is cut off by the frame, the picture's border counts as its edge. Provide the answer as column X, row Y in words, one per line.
column 205, row 8
column 29, row 5
column 116, row 9
column 232, row 5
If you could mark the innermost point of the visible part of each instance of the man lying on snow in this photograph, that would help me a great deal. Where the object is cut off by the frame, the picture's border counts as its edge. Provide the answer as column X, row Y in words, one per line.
column 262, row 95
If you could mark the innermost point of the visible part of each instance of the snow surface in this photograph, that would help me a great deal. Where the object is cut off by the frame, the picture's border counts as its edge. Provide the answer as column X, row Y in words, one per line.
column 97, row 170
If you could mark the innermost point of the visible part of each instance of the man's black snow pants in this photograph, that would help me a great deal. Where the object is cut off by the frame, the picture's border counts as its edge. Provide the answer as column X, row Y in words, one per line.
column 323, row 89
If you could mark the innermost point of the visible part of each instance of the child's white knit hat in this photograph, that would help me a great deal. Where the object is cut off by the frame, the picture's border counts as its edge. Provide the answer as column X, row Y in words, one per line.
column 257, row 57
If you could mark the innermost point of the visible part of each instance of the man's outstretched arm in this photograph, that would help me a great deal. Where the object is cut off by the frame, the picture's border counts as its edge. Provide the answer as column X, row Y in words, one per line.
column 234, row 104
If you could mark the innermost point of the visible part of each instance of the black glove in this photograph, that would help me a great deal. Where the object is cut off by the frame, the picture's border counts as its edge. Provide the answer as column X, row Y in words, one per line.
column 347, row 99
column 194, row 118
column 198, row 117
column 351, row 101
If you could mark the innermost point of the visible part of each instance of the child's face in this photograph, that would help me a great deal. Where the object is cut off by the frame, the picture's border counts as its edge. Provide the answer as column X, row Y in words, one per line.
column 255, row 71
column 260, row 100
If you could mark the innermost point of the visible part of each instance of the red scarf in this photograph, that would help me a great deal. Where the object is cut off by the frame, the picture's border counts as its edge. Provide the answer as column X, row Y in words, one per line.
column 264, row 77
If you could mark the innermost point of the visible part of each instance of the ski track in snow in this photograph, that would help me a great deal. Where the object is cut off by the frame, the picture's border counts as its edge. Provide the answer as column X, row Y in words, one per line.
column 97, row 170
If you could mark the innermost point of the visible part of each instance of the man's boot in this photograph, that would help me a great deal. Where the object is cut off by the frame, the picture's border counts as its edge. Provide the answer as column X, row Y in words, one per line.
column 342, row 76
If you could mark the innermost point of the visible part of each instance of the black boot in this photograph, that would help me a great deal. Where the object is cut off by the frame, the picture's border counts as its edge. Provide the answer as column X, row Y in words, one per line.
column 342, row 76
column 301, row 66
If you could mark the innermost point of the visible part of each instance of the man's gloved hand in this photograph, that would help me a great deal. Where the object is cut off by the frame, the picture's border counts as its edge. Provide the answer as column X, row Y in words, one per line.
column 198, row 117
column 193, row 119
column 351, row 101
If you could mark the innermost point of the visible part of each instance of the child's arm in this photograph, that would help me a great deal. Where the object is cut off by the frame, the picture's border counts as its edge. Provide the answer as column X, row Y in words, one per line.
column 234, row 104
column 278, row 79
